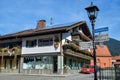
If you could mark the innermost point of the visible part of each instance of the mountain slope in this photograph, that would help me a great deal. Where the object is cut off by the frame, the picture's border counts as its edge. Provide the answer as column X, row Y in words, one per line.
column 114, row 46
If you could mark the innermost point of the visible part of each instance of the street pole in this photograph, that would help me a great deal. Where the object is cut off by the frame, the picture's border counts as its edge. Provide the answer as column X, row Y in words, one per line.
column 94, row 51
column 92, row 11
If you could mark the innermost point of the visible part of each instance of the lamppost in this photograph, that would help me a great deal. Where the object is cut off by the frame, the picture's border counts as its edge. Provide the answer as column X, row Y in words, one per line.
column 92, row 11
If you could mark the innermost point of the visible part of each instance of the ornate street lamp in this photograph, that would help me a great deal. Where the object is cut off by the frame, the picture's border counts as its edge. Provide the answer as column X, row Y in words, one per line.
column 92, row 12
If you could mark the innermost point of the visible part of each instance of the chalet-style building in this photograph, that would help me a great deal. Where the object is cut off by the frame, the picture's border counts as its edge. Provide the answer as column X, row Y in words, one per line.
column 103, row 57
column 45, row 50
column 116, row 61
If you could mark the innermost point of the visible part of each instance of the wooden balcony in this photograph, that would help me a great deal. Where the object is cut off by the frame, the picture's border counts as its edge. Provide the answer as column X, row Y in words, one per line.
column 10, row 52
column 73, row 50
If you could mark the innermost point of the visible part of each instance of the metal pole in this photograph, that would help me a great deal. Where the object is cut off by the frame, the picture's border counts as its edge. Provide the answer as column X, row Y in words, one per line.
column 94, row 52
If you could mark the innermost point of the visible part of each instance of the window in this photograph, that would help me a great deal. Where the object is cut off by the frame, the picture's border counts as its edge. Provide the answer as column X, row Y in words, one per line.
column 31, row 43
column 28, row 63
column 38, row 62
column 74, row 29
column 98, row 60
column 45, row 42
column 70, row 63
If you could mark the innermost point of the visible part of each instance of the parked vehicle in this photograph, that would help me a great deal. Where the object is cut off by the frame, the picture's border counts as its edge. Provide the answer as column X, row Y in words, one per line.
column 89, row 69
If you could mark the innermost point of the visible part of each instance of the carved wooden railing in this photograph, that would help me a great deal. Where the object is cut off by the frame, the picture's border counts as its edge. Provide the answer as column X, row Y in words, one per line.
column 10, row 51
column 72, row 49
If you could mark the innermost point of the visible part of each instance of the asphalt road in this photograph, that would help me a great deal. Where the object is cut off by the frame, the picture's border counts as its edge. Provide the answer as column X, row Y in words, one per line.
column 41, row 77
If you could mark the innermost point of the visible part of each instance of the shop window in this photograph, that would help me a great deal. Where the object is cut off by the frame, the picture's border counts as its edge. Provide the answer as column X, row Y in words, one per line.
column 40, row 62
column 70, row 63
column 28, row 63
column 73, row 64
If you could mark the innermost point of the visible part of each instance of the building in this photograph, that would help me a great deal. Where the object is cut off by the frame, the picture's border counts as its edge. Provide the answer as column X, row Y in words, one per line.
column 10, row 54
column 116, row 61
column 45, row 50
column 103, row 57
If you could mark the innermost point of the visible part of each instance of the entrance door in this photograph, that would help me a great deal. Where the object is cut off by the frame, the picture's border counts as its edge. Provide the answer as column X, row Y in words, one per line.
column 55, row 64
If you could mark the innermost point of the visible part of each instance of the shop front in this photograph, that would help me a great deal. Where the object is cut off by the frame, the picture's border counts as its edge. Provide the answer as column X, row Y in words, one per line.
column 42, row 64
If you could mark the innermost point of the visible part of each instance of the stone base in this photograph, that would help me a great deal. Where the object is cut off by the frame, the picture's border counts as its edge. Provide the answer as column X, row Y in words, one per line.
column 9, row 71
column 37, row 71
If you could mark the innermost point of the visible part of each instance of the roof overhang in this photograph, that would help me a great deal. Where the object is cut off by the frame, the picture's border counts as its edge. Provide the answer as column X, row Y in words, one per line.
column 34, row 32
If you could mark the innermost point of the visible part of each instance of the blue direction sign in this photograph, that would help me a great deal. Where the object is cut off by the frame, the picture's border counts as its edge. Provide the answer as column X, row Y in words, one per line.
column 101, row 30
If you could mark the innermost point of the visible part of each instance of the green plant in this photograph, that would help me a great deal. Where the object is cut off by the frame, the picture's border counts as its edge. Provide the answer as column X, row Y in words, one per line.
column 0, row 49
column 75, row 48
column 86, row 52
column 76, row 42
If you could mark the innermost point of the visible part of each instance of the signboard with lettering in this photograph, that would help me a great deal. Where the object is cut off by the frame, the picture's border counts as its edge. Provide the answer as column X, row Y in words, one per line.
column 85, row 45
column 101, row 38
column 101, row 30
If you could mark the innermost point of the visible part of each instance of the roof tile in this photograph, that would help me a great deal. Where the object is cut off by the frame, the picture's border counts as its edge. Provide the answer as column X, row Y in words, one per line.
column 116, row 58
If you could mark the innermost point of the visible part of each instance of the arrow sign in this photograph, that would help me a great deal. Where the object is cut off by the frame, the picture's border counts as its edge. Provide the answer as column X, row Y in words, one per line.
column 101, row 38
column 101, row 30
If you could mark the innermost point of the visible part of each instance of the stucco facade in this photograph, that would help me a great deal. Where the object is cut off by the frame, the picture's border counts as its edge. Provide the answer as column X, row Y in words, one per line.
column 103, row 57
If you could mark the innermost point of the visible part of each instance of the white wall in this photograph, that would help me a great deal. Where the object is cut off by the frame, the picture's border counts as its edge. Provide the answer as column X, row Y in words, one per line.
column 66, row 35
column 35, row 50
column 44, row 49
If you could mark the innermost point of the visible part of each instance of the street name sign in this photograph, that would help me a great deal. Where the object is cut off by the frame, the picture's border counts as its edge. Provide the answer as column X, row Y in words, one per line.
column 101, row 30
column 101, row 38
column 85, row 45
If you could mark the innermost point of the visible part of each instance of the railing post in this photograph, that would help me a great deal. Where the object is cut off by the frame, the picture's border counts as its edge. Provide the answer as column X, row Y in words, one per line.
column 99, row 74
column 115, row 73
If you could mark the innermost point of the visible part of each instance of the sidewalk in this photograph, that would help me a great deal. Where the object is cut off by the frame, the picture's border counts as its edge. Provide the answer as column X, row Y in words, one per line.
column 47, row 75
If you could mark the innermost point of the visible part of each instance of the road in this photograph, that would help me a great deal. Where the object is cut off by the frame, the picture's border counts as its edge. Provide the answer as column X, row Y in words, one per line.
column 40, row 77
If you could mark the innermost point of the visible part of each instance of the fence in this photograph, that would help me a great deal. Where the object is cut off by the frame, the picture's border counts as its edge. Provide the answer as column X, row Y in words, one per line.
column 109, row 74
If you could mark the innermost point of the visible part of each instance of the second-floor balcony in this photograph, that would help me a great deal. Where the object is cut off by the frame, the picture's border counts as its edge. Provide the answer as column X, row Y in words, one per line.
column 73, row 50
column 10, row 51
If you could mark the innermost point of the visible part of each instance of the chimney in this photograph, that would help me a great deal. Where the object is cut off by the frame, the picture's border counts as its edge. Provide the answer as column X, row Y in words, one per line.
column 41, row 24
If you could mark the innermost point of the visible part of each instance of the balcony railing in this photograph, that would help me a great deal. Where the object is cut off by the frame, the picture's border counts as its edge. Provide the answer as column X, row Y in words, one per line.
column 10, row 51
column 73, row 49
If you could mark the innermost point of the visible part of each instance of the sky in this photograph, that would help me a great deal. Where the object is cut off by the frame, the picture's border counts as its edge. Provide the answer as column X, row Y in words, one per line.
column 18, row 15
